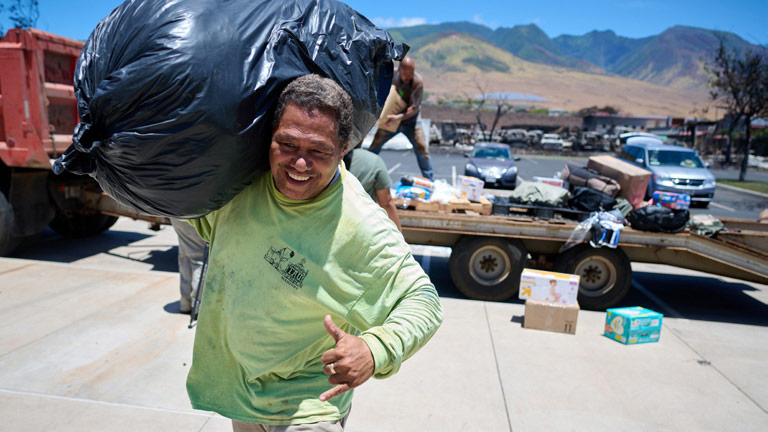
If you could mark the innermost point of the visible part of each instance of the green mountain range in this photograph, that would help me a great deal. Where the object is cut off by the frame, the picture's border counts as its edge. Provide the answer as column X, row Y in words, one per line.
column 674, row 58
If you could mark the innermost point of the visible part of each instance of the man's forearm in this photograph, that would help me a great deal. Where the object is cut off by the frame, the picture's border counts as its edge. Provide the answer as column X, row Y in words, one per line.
column 384, row 198
column 411, row 112
column 392, row 213
column 409, row 326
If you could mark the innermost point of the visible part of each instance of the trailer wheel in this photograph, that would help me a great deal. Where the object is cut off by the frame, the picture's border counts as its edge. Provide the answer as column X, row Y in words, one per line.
column 7, row 240
column 487, row 268
column 82, row 225
column 605, row 274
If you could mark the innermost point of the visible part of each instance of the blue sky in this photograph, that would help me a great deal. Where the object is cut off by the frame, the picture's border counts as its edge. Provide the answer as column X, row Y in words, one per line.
column 631, row 18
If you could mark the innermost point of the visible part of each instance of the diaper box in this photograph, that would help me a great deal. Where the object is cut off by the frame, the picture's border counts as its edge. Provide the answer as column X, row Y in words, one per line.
column 470, row 188
column 633, row 325
column 549, row 286
column 672, row 200
column 555, row 317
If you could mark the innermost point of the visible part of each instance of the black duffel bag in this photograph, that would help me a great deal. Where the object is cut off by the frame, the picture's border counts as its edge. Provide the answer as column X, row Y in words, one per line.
column 658, row 219
column 174, row 96
column 588, row 199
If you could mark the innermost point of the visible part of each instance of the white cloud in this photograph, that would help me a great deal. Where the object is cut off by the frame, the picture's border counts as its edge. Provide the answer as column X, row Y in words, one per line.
column 536, row 21
column 399, row 22
column 478, row 19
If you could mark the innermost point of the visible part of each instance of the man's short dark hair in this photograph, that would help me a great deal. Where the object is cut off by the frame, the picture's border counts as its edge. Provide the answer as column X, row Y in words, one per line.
column 314, row 92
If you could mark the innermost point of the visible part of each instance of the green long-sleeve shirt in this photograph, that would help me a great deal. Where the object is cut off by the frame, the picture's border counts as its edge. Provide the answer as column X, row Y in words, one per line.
column 277, row 266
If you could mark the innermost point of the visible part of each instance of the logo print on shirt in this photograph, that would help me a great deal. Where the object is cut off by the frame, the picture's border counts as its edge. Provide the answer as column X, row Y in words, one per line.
column 293, row 273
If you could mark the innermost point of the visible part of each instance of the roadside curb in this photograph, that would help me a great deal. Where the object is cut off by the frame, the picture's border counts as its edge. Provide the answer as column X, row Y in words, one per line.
column 746, row 191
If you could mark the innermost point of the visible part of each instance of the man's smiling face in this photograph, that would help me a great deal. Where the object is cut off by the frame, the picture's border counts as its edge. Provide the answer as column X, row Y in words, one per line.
column 305, row 152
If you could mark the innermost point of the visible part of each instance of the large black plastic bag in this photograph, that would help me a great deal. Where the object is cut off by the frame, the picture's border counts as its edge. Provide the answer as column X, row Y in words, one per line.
column 658, row 219
column 174, row 96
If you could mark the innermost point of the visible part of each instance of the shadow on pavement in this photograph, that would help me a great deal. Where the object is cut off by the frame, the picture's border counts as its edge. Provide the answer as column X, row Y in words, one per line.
column 440, row 275
column 161, row 260
column 702, row 298
column 174, row 308
column 53, row 247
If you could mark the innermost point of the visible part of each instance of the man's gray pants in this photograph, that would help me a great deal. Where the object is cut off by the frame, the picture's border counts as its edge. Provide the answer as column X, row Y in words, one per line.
column 191, row 256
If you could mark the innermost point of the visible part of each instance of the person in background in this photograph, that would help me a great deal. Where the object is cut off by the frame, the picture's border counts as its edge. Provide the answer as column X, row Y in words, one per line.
column 371, row 171
column 310, row 288
column 191, row 262
column 410, row 87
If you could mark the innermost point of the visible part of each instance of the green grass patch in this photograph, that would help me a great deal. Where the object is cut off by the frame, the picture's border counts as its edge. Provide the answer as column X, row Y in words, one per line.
column 749, row 184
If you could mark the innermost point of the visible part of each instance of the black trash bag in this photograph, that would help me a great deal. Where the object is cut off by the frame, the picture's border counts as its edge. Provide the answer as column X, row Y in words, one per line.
column 174, row 96
column 658, row 219
column 591, row 200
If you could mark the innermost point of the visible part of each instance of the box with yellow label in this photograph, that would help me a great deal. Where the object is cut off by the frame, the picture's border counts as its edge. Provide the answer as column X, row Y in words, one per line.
column 549, row 286
column 469, row 187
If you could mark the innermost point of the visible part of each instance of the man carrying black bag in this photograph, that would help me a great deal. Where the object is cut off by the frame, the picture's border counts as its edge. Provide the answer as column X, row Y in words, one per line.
column 311, row 289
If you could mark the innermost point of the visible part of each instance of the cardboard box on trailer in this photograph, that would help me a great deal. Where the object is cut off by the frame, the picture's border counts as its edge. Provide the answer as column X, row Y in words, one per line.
column 632, row 179
column 550, row 181
column 675, row 201
column 470, row 188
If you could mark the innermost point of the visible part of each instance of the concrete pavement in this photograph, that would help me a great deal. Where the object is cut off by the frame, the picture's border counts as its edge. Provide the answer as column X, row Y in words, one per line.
column 90, row 346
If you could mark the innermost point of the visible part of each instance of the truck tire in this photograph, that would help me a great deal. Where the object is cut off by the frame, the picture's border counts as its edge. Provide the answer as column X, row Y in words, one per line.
column 82, row 225
column 487, row 268
column 8, row 241
column 605, row 274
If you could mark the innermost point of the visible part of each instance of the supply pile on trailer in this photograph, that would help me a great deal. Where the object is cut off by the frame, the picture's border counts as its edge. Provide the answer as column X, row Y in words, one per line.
column 589, row 221
column 422, row 194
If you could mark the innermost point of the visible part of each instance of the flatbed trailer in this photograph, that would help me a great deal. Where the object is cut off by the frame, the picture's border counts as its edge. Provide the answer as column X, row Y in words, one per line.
column 490, row 251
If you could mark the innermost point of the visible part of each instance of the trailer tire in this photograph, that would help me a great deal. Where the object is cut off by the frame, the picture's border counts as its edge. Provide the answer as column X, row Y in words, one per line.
column 8, row 241
column 487, row 268
column 82, row 225
column 606, row 274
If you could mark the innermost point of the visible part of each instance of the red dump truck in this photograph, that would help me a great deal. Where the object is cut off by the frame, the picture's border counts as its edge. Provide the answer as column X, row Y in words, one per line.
column 38, row 113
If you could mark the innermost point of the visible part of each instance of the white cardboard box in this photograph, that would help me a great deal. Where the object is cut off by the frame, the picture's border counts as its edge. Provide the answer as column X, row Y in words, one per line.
column 470, row 188
column 549, row 286
column 550, row 181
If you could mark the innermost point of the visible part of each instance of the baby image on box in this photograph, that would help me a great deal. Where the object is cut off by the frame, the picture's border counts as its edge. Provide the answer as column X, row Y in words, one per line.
column 549, row 286
column 553, row 296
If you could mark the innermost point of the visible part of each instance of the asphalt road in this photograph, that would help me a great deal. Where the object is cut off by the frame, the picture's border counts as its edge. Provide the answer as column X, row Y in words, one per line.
column 727, row 202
